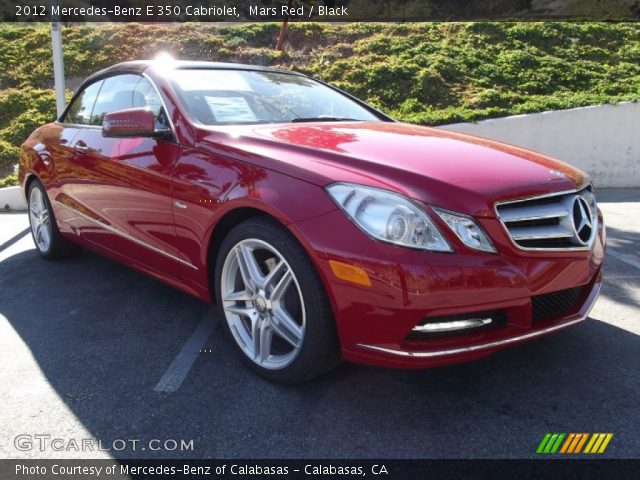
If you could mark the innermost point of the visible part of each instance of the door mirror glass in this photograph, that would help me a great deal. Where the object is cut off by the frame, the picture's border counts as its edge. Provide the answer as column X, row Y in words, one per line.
column 132, row 122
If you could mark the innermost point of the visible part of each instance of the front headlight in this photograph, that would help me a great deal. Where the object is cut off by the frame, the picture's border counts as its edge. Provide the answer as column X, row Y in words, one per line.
column 388, row 216
column 467, row 230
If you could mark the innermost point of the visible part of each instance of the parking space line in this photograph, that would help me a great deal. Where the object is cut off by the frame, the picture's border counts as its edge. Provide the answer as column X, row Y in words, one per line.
column 179, row 368
column 628, row 259
column 14, row 239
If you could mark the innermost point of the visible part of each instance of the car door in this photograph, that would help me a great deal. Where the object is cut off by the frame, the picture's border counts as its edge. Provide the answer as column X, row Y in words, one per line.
column 128, row 192
column 68, row 171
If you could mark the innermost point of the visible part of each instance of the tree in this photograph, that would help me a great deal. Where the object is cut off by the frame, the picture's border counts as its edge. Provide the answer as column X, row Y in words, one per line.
column 282, row 36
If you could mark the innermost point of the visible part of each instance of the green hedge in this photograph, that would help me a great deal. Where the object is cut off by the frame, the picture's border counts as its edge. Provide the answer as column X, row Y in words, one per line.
column 426, row 73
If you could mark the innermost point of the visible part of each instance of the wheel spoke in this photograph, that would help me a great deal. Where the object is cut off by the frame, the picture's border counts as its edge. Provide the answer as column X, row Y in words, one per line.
column 44, row 231
column 40, row 199
column 241, row 296
column 286, row 327
column 272, row 279
column 249, row 268
column 241, row 310
column 281, row 287
column 262, row 336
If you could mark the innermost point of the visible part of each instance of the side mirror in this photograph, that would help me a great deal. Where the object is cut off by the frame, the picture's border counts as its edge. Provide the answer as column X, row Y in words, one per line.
column 131, row 122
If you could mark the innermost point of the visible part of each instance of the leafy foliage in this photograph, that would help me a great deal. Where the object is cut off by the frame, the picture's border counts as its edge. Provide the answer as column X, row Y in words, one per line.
column 426, row 73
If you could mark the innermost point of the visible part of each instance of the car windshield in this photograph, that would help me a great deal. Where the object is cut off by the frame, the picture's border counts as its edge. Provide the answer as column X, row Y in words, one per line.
column 229, row 97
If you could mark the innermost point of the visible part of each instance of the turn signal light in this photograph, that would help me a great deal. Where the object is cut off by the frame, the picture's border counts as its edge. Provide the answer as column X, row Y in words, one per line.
column 350, row 273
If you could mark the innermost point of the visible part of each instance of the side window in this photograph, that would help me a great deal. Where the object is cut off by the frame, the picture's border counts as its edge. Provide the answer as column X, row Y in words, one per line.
column 116, row 94
column 145, row 95
column 80, row 110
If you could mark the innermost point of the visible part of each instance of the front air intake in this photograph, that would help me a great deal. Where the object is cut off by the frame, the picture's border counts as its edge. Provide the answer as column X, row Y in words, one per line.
column 556, row 304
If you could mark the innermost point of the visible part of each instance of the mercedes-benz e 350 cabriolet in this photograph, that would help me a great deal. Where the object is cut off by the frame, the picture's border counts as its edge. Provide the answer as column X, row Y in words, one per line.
column 321, row 228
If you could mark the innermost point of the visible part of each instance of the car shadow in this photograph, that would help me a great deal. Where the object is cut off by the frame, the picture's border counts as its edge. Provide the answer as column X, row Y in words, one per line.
column 103, row 335
column 621, row 278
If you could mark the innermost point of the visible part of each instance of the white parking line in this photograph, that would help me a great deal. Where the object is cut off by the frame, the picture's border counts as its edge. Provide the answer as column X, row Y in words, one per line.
column 179, row 368
column 623, row 257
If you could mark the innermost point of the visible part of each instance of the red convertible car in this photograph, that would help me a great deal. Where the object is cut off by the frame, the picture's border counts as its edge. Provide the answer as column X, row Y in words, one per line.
column 321, row 228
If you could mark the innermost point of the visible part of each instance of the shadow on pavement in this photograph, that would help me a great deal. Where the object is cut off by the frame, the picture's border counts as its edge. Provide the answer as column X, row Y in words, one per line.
column 623, row 242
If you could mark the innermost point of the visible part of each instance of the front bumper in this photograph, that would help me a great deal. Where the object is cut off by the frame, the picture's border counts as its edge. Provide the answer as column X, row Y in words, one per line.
column 468, row 352
column 375, row 323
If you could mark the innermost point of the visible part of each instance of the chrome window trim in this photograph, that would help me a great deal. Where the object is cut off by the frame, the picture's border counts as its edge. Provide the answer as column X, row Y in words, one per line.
column 591, row 300
column 78, row 125
column 164, row 105
column 99, row 127
column 127, row 236
column 579, row 248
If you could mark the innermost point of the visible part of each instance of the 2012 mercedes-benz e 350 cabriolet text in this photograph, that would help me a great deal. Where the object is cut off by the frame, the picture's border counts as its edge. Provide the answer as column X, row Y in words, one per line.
column 321, row 228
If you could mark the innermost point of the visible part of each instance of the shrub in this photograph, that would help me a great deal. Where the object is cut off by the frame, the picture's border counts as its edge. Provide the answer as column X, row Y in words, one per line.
column 425, row 73
column 8, row 158
column 10, row 181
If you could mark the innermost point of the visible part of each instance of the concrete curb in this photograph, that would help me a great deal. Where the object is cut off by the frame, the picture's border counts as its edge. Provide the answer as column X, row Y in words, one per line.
column 11, row 199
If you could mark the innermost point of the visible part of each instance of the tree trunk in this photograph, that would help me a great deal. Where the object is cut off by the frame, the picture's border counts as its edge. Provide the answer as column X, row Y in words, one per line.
column 283, row 29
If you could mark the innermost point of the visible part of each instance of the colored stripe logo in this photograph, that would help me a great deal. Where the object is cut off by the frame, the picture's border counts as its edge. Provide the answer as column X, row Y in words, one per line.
column 574, row 443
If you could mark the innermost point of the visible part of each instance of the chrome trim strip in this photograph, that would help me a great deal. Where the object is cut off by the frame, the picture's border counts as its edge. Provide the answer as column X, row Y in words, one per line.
column 583, row 248
column 127, row 236
column 544, row 195
column 499, row 343
column 78, row 125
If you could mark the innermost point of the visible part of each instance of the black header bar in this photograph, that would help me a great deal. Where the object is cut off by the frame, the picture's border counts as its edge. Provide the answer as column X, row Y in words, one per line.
column 324, row 469
column 313, row 10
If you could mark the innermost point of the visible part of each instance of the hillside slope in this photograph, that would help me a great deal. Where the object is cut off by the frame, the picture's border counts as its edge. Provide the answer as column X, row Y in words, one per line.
column 427, row 73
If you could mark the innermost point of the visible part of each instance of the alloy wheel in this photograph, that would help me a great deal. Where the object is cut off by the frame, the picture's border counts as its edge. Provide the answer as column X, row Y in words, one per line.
column 39, row 219
column 263, row 303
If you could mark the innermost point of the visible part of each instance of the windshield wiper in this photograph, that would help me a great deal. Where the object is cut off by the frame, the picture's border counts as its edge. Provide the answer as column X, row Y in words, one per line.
column 324, row 119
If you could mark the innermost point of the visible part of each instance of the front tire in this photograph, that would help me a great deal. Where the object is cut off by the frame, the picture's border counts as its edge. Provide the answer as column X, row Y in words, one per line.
column 44, row 228
column 273, row 303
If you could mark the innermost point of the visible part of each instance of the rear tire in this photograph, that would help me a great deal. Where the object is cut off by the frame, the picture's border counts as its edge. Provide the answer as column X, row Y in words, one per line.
column 273, row 303
column 44, row 228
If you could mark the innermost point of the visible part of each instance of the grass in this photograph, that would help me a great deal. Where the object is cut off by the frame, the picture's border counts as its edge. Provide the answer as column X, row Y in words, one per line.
column 425, row 73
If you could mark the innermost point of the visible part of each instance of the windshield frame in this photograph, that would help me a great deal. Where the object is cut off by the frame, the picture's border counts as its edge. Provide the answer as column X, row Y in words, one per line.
column 380, row 116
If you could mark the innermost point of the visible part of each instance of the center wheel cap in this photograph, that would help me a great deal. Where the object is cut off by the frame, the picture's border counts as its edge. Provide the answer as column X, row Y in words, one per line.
column 261, row 304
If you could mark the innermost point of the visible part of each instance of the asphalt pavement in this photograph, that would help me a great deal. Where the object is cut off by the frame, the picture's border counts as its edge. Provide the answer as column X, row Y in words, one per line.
column 95, row 354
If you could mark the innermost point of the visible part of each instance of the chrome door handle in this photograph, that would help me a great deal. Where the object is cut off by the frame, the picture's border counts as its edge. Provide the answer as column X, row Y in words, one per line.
column 81, row 148
column 179, row 204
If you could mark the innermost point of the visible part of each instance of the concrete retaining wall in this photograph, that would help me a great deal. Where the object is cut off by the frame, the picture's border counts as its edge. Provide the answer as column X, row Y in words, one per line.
column 11, row 199
column 604, row 141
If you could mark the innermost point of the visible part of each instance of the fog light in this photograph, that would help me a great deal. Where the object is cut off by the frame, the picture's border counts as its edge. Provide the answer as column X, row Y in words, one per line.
column 452, row 325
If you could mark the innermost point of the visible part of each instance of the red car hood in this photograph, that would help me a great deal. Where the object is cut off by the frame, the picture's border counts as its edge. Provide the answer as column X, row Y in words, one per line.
column 447, row 169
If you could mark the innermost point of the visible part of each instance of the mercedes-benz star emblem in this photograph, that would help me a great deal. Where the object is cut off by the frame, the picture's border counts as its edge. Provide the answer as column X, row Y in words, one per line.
column 582, row 221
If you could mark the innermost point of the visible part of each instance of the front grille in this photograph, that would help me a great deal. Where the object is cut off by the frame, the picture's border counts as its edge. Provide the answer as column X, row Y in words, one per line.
column 558, row 221
column 556, row 304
